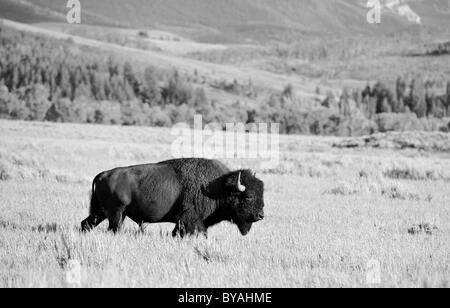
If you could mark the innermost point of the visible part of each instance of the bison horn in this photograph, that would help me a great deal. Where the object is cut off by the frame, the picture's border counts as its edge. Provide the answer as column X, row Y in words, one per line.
column 240, row 187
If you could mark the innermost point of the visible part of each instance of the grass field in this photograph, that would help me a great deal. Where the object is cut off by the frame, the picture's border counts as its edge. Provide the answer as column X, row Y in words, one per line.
column 329, row 211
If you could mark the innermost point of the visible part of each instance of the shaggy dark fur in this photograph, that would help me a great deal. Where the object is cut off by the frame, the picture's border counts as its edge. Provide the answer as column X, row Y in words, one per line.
column 195, row 194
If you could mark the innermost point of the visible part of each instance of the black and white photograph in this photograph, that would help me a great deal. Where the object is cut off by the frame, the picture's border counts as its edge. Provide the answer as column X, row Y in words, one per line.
column 224, row 149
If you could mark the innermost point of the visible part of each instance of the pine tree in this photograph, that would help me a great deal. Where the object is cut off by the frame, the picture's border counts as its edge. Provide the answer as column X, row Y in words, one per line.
column 413, row 99
column 14, row 79
column 447, row 107
column 448, row 93
column 417, row 95
column 4, row 102
column 130, row 78
column 400, row 94
column 51, row 83
column 344, row 103
column 107, row 88
column 128, row 90
column 199, row 99
column 151, row 93
column 75, row 81
column 97, row 88
column 429, row 98
column 117, row 89
column 63, row 81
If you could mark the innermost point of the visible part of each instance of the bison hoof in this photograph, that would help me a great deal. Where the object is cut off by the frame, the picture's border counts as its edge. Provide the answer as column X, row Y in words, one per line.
column 85, row 227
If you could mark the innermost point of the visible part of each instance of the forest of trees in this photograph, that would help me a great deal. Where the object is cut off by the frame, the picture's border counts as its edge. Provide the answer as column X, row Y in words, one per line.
column 415, row 96
column 46, row 79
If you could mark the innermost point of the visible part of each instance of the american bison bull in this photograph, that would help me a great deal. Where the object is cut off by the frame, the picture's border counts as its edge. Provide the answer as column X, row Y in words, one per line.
column 195, row 194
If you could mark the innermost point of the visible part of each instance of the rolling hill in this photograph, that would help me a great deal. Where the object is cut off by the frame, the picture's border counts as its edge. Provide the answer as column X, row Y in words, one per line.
column 247, row 20
column 27, row 12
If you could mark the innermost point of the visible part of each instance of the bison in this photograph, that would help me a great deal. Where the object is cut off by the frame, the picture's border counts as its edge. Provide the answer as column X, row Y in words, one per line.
column 193, row 193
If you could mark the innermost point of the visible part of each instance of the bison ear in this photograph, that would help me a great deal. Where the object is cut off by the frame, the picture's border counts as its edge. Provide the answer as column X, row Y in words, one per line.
column 234, row 182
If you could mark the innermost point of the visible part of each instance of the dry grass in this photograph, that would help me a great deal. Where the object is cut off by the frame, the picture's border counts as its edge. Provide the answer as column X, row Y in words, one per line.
column 329, row 211
column 418, row 140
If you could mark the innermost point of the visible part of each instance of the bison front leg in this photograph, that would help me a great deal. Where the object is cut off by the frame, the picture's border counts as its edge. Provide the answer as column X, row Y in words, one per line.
column 142, row 227
column 189, row 228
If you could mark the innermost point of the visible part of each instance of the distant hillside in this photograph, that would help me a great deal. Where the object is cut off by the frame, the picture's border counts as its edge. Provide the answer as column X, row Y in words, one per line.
column 27, row 11
column 252, row 20
column 24, row 12
column 434, row 13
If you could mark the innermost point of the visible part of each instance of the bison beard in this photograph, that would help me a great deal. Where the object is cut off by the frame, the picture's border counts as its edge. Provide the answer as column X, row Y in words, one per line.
column 195, row 194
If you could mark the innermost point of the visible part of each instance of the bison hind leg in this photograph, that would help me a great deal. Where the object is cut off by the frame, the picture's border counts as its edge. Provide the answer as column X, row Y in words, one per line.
column 116, row 212
column 96, row 214
column 116, row 219
column 91, row 222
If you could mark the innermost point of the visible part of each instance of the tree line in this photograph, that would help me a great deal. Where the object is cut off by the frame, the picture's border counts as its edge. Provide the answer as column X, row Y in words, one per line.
column 414, row 96
column 46, row 79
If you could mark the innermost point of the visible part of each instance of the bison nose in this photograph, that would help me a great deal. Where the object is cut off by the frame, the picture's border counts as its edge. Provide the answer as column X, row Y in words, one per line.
column 260, row 215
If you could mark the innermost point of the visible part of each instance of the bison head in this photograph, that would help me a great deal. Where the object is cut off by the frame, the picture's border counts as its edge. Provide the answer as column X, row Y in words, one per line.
column 246, row 200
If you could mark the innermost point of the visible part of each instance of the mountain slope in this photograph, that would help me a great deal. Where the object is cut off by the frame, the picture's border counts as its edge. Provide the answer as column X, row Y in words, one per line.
column 252, row 20
column 27, row 12
column 435, row 13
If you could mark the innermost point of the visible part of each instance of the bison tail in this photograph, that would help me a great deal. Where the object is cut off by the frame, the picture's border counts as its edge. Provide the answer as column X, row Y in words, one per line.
column 95, row 206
